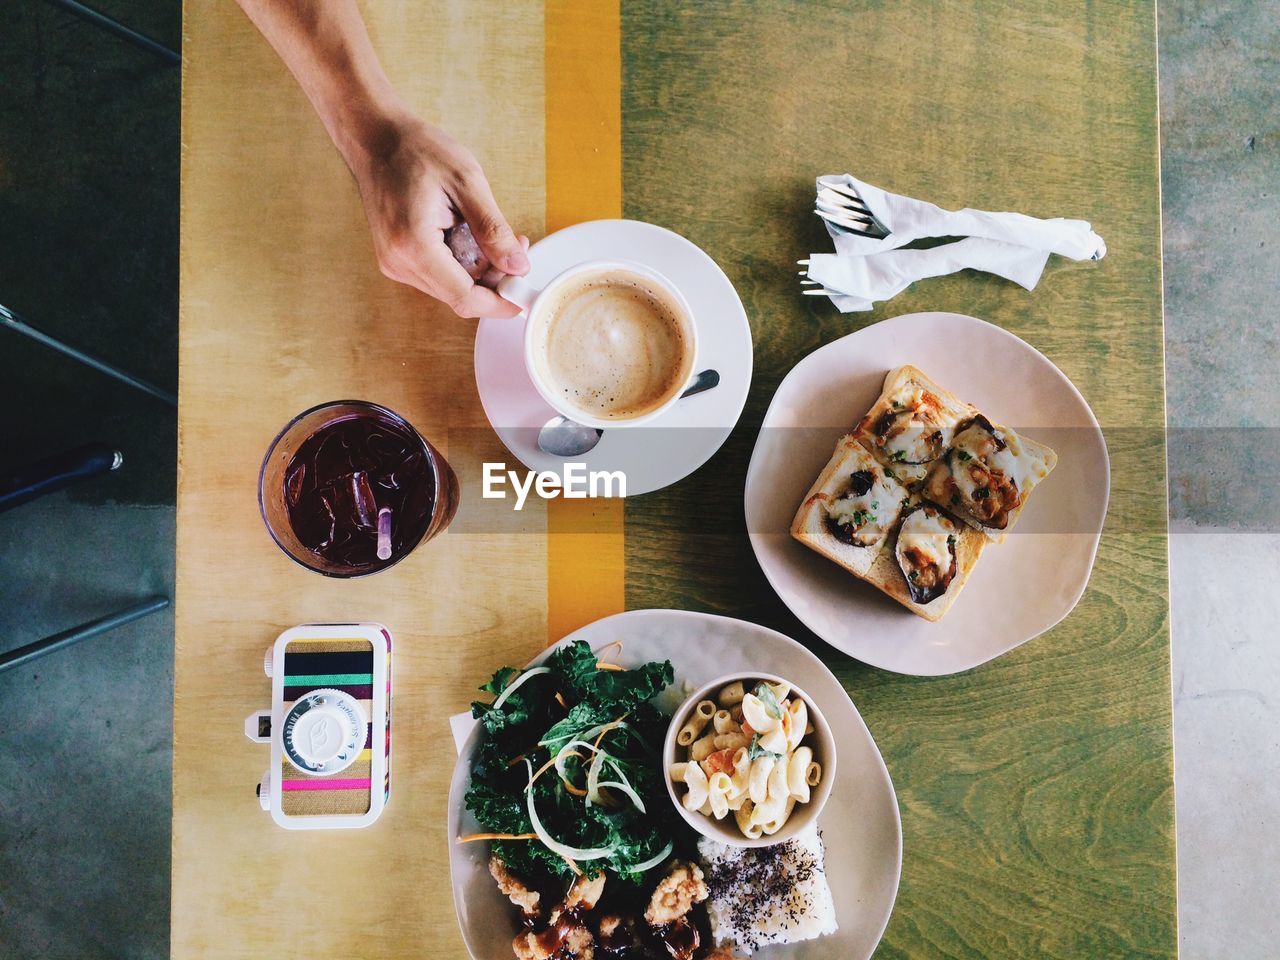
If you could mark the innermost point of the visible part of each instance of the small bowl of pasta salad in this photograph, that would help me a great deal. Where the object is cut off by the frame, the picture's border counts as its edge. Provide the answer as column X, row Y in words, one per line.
column 749, row 760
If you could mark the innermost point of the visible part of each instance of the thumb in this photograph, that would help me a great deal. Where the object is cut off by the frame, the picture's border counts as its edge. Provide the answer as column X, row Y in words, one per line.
column 503, row 249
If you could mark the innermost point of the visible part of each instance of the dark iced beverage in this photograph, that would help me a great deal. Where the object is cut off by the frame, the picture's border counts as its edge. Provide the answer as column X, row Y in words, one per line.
column 349, row 488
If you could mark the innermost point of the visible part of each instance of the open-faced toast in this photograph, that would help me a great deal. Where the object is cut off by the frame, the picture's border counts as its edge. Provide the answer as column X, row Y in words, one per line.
column 910, row 499
column 850, row 511
column 929, row 561
column 912, row 422
column 987, row 475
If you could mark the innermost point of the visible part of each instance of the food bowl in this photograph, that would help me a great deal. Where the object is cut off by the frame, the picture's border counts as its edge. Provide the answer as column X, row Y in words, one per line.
column 727, row 830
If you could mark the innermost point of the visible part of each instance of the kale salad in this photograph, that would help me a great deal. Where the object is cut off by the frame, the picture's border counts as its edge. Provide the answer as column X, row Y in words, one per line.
column 568, row 774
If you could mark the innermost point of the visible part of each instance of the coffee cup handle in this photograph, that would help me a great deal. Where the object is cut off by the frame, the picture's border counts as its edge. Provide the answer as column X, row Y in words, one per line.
column 517, row 290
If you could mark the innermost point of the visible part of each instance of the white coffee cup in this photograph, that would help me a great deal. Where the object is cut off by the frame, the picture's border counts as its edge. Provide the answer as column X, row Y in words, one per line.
column 539, row 303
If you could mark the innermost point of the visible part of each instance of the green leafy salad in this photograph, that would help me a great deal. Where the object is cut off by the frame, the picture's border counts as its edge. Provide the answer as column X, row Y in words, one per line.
column 568, row 775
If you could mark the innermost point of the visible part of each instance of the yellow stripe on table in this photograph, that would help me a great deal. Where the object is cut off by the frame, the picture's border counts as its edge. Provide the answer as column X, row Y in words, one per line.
column 585, row 564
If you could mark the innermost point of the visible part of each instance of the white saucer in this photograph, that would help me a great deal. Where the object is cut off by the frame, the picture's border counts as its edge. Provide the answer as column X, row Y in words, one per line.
column 860, row 825
column 1019, row 588
column 674, row 445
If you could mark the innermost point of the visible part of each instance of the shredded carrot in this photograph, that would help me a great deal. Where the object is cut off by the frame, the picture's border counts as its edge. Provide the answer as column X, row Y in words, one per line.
column 560, row 700
column 519, row 759
column 497, row 836
column 543, row 769
column 609, row 726
column 601, row 665
column 572, row 866
column 576, row 791
column 747, row 729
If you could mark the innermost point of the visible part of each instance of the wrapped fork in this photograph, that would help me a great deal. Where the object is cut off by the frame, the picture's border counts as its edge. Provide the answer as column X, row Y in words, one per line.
column 868, row 225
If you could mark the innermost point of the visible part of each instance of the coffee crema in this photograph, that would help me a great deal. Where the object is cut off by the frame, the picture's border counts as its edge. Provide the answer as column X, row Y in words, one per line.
column 613, row 344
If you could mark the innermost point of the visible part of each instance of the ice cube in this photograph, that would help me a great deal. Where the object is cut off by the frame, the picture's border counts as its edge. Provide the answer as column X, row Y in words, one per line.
column 293, row 484
column 330, row 518
column 353, row 503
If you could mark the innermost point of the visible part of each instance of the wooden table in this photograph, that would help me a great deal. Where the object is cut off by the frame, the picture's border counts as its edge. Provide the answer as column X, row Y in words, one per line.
column 1036, row 791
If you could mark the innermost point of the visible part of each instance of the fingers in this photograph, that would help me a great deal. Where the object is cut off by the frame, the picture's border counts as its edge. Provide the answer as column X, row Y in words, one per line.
column 470, row 193
column 493, row 275
column 438, row 274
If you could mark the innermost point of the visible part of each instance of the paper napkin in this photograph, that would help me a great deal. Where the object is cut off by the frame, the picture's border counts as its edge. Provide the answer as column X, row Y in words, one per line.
column 864, row 270
column 461, row 725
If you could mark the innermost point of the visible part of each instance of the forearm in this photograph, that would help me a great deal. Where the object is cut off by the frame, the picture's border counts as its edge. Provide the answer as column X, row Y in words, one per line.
column 415, row 181
column 326, row 46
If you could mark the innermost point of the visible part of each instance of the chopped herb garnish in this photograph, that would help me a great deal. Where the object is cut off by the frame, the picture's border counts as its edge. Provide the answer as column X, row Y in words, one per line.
column 875, row 504
column 764, row 693
column 951, row 539
column 955, row 499
column 912, row 575
column 981, row 493
column 905, row 501
column 899, row 456
column 889, row 473
column 964, row 456
column 755, row 750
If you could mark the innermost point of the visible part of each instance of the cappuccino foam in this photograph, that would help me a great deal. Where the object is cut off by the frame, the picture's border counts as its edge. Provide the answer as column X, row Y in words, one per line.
column 613, row 344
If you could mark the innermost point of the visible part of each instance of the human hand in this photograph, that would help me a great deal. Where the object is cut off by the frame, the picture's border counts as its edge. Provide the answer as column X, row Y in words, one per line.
column 416, row 182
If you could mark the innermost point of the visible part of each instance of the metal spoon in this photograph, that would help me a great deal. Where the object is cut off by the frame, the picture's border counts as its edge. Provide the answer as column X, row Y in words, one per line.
column 564, row 438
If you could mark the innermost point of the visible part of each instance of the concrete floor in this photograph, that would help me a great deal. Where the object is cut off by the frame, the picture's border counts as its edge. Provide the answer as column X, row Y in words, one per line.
column 1219, row 71
column 88, row 195
column 87, row 733
column 89, row 141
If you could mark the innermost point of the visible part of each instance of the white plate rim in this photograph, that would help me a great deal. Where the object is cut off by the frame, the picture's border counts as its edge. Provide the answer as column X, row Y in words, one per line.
column 772, row 574
column 880, row 770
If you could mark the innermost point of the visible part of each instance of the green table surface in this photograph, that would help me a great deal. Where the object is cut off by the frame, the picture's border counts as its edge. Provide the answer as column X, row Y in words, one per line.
column 1036, row 791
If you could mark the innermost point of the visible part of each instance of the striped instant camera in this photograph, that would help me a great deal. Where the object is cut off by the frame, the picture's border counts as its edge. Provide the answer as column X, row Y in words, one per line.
column 329, row 726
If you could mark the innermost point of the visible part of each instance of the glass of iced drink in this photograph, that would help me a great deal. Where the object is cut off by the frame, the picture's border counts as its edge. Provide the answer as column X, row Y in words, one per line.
column 349, row 488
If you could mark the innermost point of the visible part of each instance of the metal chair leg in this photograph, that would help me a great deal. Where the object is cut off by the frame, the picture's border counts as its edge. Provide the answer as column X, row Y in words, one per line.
column 54, row 473
column 33, row 651
column 101, row 20
column 14, row 322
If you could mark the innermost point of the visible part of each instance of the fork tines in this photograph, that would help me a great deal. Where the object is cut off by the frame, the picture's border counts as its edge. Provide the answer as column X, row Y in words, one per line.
column 841, row 206
column 852, row 195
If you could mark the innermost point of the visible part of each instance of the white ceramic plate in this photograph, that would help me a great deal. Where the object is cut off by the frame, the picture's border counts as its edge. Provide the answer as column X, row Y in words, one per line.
column 673, row 445
column 1019, row 588
column 860, row 824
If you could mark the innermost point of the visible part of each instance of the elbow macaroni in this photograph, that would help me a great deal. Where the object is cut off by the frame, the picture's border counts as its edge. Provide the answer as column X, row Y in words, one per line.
column 746, row 756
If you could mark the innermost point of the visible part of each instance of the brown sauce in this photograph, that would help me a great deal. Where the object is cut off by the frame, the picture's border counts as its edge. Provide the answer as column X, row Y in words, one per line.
column 680, row 938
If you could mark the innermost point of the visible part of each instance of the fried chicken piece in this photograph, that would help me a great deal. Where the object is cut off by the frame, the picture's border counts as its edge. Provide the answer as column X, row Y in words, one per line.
column 573, row 943
column 580, row 944
column 677, row 892
column 514, row 888
column 584, row 894
column 611, row 924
